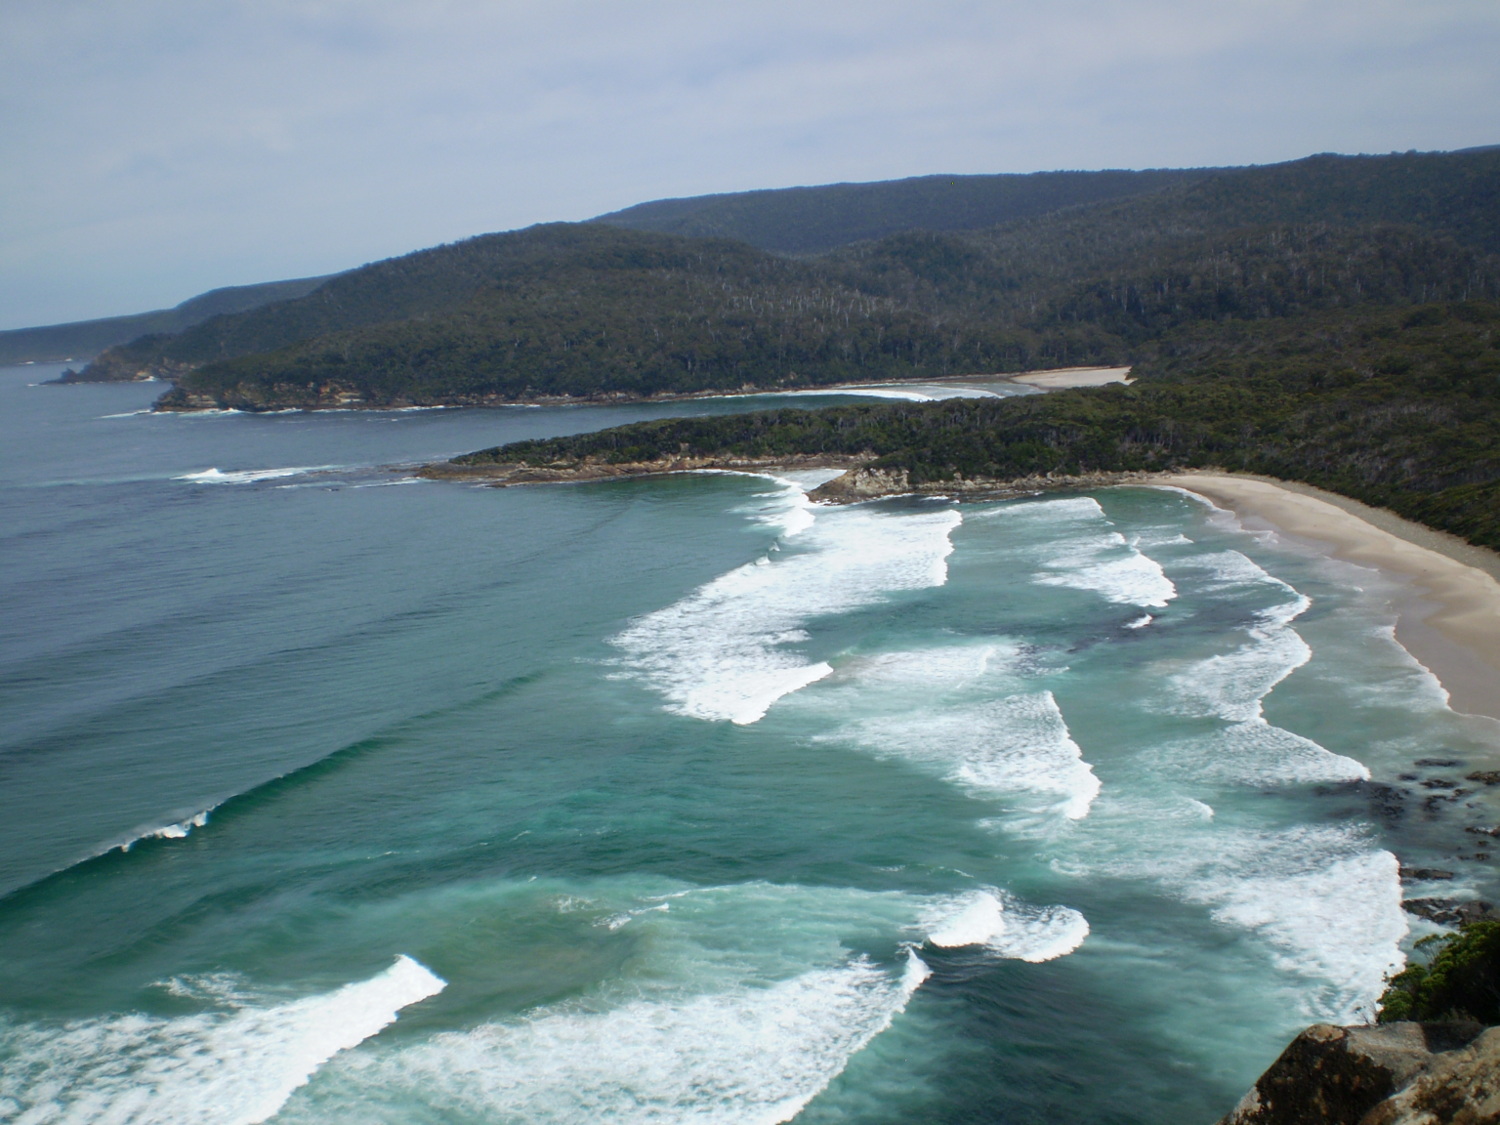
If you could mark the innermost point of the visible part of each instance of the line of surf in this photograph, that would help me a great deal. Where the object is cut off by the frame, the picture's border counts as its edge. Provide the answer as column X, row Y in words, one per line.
column 230, row 1068
column 724, row 652
column 252, row 476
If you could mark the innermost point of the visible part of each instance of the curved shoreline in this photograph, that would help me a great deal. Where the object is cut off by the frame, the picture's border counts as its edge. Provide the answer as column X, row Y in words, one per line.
column 1447, row 615
column 1448, row 608
column 340, row 397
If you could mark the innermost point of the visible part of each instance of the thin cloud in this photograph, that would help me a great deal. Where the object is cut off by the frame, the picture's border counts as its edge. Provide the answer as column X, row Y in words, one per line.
column 156, row 148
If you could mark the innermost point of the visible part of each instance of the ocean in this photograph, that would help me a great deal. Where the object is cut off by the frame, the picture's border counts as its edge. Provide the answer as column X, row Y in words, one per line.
column 333, row 795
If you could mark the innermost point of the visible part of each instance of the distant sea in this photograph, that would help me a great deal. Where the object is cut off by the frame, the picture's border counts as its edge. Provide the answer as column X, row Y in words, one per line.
column 331, row 795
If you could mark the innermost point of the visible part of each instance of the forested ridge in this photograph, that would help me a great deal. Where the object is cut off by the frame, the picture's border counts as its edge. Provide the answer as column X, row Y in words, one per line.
column 52, row 343
column 592, row 310
column 811, row 220
column 1396, row 407
column 1331, row 320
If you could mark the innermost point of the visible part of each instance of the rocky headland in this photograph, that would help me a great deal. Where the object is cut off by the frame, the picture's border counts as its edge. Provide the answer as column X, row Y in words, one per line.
column 1407, row 1073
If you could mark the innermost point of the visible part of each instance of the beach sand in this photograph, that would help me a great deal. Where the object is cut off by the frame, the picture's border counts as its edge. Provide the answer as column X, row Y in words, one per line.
column 1074, row 377
column 1449, row 617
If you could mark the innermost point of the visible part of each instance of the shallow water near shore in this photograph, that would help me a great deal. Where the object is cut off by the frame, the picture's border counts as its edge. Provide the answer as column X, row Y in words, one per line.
column 335, row 796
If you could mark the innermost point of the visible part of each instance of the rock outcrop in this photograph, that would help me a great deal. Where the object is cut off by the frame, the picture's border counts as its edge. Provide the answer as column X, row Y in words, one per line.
column 1388, row 1074
column 589, row 469
column 1461, row 1088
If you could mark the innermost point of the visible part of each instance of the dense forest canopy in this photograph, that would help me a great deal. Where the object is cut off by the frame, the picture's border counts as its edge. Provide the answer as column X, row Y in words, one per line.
column 60, row 342
column 1396, row 407
column 589, row 310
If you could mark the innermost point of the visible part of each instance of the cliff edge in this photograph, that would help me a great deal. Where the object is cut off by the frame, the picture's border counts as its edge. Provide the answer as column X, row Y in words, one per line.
column 1404, row 1073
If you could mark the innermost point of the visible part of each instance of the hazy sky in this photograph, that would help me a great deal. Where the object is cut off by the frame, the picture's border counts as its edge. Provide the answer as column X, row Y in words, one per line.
column 152, row 149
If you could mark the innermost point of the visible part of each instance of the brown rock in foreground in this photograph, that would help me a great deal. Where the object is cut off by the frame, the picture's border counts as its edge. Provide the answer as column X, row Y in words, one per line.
column 1461, row 1088
column 1389, row 1074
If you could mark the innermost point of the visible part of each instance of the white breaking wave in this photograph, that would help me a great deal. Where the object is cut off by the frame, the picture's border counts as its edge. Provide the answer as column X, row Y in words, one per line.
column 1015, row 747
column 1233, row 686
column 1128, row 578
column 1326, row 903
column 1254, row 752
column 1004, row 926
column 721, row 652
column 168, row 831
column 250, row 476
column 1339, row 920
column 1093, row 556
column 217, row 1068
column 787, row 510
column 742, row 1056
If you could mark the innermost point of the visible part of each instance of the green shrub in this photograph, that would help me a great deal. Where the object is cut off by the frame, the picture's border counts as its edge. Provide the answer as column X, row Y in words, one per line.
column 1462, row 981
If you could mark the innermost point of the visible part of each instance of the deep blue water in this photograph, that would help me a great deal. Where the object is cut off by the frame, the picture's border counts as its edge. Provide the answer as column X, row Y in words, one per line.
column 333, row 795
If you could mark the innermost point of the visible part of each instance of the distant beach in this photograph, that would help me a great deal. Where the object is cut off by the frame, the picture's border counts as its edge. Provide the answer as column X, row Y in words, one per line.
column 1450, row 618
column 1062, row 377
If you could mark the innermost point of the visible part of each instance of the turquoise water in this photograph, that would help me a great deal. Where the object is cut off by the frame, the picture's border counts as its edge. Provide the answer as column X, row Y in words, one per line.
column 334, row 796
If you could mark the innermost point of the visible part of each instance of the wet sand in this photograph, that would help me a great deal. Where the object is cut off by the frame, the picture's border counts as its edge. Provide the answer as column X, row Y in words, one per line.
column 1449, row 616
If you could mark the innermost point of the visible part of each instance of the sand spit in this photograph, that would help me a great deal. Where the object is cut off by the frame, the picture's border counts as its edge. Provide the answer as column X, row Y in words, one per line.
column 1065, row 377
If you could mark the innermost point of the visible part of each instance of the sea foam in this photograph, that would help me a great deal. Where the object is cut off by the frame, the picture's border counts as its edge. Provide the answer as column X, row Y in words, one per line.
column 235, row 1068
column 742, row 1055
column 1325, row 902
column 1256, row 753
column 1017, row 747
column 250, row 476
column 989, row 918
column 1233, row 685
column 1087, row 553
column 722, row 653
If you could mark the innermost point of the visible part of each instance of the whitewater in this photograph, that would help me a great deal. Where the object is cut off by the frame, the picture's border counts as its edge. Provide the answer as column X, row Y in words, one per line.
column 677, row 800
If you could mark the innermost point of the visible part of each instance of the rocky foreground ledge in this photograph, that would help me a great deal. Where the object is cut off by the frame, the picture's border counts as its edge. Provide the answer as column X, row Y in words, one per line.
column 1388, row 1074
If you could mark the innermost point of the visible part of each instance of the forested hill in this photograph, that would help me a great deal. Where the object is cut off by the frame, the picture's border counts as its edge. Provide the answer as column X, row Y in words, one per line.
column 55, row 343
column 1396, row 407
column 601, row 313
column 596, row 310
column 809, row 220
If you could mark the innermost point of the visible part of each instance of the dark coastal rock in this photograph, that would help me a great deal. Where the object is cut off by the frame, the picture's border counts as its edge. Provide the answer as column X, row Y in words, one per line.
column 1386, row 801
column 1486, row 777
column 1341, row 1075
column 1451, row 911
column 1423, row 874
column 1438, row 763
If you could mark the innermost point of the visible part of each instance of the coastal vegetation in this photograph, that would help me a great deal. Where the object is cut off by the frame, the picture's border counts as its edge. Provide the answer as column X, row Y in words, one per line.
column 1395, row 407
column 1458, row 979
column 594, row 310
column 811, row 220
column 53, row 343
column 1330, row 320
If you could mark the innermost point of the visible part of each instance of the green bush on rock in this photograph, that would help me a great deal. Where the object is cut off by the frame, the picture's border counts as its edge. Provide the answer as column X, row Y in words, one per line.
column 1462, row 980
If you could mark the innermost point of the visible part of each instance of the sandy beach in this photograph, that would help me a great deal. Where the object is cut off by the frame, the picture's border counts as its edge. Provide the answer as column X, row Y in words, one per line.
column 1449, row 619
column 1073, row 377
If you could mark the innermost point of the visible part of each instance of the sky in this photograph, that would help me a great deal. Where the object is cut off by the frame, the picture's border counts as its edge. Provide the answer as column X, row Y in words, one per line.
column 154, row 149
